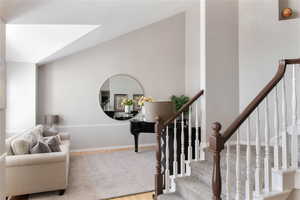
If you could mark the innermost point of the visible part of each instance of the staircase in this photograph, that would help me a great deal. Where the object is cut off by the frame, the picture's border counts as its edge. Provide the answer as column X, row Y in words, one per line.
column 266, row 167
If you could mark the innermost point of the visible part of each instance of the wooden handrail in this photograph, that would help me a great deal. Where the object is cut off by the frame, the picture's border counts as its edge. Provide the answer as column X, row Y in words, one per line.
column 159, row 130
column 183, row 109
column 217, row 140
column 259, row 98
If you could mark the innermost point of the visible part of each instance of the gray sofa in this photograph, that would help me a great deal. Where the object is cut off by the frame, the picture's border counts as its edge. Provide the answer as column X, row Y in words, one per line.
column 35, row 173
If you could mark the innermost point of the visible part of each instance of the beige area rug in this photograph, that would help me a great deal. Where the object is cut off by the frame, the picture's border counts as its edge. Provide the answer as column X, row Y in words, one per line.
column 107, row 175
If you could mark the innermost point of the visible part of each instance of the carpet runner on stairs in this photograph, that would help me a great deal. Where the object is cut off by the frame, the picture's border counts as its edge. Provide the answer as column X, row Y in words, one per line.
column 198, row 185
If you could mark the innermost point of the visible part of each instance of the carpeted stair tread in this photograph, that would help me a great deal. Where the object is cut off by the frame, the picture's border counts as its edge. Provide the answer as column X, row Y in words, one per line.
column 192, row 188
column 170, row 196
column 203, row 170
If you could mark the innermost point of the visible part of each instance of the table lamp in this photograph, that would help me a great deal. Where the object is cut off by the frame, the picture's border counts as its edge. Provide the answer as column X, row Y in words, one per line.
column 162, row 109
column 51, row 121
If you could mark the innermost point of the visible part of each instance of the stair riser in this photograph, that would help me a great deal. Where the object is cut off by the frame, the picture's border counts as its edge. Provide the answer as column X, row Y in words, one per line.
column 186, row 194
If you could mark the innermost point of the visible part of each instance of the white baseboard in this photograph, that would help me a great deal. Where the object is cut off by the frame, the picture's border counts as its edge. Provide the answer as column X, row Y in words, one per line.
column 92, row 125
column 110, row 148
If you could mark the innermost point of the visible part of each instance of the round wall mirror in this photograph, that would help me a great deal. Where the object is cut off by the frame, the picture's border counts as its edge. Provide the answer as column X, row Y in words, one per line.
column 119, row 96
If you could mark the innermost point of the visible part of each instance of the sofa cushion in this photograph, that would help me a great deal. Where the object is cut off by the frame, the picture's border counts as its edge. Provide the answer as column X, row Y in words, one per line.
column 20, row 146
column 53, row 142
column 40, row 147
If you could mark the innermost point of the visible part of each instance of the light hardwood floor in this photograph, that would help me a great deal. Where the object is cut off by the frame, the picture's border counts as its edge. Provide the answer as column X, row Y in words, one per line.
column 145, row 196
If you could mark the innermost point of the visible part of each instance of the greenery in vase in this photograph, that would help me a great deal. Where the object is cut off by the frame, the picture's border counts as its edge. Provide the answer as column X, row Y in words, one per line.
column 179, row 101
column 127, row 102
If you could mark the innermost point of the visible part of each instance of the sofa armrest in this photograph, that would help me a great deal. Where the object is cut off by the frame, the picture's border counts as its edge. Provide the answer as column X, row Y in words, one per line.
column 64, row 135
column 35, row 159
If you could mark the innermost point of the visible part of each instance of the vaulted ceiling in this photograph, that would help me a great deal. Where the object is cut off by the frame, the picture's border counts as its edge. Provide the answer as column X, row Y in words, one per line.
column 69, row 26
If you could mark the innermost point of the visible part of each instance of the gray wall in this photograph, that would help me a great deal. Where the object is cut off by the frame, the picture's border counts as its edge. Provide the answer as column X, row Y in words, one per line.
column 263, row 41
column 192, row 51
column 220, row 66
column 21, row 97
column 154, row 55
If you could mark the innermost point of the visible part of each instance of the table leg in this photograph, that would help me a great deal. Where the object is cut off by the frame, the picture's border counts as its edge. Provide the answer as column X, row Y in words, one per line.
column 136, row 142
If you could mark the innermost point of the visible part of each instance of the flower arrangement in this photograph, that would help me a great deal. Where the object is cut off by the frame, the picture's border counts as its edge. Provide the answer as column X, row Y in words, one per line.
column 143, row 99
column 127, row 102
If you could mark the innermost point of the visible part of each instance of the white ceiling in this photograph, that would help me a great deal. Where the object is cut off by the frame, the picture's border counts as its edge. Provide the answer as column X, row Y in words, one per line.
column 115, row 17
column 37, row 42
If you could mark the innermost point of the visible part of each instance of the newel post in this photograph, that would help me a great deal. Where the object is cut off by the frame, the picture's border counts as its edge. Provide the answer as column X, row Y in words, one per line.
column 216, row 145
column 158, row 175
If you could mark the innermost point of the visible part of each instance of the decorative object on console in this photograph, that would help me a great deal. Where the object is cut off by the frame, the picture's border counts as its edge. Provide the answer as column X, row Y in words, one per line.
column 51, row 121
column 136, row 99
column 118, row 98
column 128, row 104
column 162, row 109
column 287, row 12
column 142, row 102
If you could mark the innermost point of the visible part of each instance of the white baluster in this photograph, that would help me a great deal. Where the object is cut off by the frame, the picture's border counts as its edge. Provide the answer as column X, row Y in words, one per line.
column 182, row 156
column 175, row 165
column 237, row 167
column 294, row 122
column 228, row 171
column 249, row 195
column 284, row 127
column 197, row 150
column 190, row 149
column 258, row 177
column 267, row 149
column 276, row 131
column 167, row 172
column 202, row 136
column 190, row 136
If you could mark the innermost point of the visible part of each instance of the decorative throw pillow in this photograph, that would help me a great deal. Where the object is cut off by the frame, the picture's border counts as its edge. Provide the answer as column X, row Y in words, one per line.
column 40, row 128
column 37, row 134
column 50, row 132
column 20, row 146
column 53, row 143
column 31, row 138
column 40, row 147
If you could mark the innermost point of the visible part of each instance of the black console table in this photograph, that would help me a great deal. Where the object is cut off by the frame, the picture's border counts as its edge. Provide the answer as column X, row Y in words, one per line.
column 137, row 127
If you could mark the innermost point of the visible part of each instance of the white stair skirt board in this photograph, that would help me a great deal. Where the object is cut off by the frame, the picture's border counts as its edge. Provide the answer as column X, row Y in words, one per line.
column 275, row 195
column 283, row 180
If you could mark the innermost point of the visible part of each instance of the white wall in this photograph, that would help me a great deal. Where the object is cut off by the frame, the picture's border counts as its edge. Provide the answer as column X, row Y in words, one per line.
column 263, row 41
column 2, row 108
column 219, row 64
column 192, row 50
column 21, row 97
column 154, row 55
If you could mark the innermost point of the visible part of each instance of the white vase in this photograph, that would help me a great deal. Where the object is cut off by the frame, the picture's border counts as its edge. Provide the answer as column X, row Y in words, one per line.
column 127, row 109
column 143, row 110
